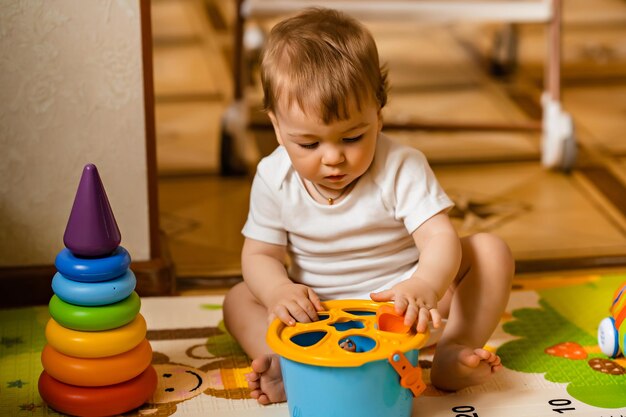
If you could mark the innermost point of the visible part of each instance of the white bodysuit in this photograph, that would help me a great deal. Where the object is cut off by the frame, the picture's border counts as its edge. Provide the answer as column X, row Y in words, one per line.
column 360, row 244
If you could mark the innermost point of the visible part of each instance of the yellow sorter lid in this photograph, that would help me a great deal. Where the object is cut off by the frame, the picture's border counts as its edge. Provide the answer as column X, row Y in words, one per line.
column 318, row 343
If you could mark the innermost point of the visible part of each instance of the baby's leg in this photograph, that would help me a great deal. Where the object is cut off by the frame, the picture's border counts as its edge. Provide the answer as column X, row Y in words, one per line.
column 473, row 306
column 246, row 319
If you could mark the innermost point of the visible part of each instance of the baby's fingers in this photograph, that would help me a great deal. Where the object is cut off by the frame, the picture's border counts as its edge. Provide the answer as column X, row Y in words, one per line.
column 283, row 314
column 315, row 300
column 425, row 314
column 402, row 305
column 381, row 296
column 309, row 309
column 299, row 312
column 411, row 313
column 422, row 321
column 435, row 317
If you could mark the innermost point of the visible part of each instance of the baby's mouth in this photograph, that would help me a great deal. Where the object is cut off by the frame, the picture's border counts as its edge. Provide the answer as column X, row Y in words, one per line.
column 335, row 177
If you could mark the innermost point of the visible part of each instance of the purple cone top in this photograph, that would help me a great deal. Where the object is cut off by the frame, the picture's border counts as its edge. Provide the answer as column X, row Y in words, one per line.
column 91, row 229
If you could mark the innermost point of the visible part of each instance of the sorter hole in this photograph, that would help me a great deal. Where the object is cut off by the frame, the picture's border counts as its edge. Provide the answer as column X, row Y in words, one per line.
column 361, row 312
column 342, row 326
column 361, row 343
column 308, row 338
column 322, row 316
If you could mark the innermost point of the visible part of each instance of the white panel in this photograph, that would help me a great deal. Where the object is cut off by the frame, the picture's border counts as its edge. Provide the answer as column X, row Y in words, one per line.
column 71, row 89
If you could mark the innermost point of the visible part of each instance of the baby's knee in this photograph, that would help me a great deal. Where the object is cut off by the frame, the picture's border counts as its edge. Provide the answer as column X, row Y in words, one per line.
column 492, row 252
column 237, row 296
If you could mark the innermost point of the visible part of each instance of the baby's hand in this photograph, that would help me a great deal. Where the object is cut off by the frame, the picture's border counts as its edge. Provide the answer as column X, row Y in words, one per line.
column 415, row 299
column 294, row 302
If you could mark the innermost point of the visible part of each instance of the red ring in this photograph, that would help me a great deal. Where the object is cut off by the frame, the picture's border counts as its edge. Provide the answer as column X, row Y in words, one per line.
column 98, row 401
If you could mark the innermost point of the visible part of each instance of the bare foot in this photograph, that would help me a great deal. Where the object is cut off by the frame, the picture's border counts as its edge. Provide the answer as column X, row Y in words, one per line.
column 266, row 380
column 456, row 367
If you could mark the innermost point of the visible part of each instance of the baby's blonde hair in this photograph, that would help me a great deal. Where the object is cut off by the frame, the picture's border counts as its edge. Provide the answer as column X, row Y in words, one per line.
column 322, row 59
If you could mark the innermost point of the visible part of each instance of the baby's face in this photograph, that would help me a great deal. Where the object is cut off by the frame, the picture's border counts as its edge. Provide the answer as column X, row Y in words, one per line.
column 330, row 155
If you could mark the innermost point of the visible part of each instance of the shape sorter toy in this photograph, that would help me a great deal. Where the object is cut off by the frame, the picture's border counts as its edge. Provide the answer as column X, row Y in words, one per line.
column 97, row 361
column 358, row 359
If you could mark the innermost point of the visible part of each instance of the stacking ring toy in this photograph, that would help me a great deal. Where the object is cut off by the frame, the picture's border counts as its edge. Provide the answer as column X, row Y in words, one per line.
column 94, row 293
column 98, row 401
column 95, row 318
column 96, row 344
column 97, row 372
column 92, row 269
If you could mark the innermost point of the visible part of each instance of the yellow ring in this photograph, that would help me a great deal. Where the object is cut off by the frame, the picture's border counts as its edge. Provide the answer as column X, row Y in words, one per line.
column 96, row 344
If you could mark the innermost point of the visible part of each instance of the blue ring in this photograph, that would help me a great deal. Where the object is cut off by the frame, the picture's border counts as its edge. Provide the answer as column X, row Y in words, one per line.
column 92, row 269
column 94, row 293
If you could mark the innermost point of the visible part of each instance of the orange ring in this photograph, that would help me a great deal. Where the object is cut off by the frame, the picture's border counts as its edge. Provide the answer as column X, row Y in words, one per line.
column 98, row 401
column 96, row 344
column 97, row 372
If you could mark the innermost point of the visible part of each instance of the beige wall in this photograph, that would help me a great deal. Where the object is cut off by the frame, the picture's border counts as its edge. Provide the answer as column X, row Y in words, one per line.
column 71, row 92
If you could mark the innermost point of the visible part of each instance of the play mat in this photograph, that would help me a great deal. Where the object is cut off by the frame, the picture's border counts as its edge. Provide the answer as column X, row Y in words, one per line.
column 547, row 341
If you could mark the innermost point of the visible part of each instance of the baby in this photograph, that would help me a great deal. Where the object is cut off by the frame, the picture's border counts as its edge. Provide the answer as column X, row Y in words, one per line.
column 340, row 211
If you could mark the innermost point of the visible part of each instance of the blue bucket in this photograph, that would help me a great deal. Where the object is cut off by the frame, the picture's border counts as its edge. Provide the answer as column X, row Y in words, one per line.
column 370, row 390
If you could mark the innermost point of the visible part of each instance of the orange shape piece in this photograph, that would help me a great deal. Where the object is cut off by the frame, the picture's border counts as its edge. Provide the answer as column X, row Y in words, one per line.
column 568, row 350
column 390, row 321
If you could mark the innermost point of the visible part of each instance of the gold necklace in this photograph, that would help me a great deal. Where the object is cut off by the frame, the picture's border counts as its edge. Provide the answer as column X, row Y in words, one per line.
column 330, row 200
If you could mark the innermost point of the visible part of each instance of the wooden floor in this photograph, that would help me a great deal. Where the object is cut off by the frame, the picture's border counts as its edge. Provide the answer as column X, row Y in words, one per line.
column 553, row 221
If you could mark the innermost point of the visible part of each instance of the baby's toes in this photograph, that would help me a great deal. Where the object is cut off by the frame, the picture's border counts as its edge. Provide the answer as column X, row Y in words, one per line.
column 484, row 355
column 263, row 399
column 492, row 359
column 252, row 376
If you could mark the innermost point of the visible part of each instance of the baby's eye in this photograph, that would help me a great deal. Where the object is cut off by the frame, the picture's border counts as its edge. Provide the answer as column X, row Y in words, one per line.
column 308, row 145
column 354, row 139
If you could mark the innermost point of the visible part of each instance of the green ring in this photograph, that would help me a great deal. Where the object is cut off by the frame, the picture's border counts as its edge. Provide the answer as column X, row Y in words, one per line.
column 98, row 318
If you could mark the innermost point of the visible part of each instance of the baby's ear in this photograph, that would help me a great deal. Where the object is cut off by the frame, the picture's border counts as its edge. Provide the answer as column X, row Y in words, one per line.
column 272, row 117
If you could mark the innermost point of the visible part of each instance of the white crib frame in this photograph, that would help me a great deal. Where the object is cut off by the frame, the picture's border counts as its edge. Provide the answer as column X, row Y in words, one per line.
column 558, row 144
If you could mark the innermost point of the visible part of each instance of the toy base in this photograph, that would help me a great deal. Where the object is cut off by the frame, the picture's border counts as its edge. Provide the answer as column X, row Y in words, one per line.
column 101, row 401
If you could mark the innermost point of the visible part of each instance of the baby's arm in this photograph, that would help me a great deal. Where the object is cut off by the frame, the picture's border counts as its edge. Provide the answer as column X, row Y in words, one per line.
column 440, row 257
column 265, row 274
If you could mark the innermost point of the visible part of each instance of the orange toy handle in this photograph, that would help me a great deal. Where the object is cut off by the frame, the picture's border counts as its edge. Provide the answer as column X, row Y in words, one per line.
column 410, row 376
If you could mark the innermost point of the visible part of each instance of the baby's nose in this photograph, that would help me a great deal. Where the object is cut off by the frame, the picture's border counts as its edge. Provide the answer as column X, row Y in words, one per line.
column 333, row 156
